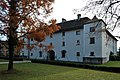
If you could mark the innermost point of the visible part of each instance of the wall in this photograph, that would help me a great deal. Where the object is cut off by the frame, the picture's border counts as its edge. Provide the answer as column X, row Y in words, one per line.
column 97, row 47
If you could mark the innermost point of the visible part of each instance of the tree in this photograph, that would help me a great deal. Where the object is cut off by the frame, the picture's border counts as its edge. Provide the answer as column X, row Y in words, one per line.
column 19, row 18
column 107, row 9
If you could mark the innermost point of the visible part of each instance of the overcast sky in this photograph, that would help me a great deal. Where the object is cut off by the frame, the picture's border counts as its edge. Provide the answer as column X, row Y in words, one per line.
column 64, row 9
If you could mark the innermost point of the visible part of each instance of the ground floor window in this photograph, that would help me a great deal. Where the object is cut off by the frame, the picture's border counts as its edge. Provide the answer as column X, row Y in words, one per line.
column 40, row 53
column 78, row 54
column 92, row 54
column 63, row 52
column 31, row 54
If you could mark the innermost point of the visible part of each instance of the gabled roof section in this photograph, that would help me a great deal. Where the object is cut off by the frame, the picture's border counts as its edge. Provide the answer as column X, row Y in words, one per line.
column 73, row 24
column 95, row 19
column 110, row 35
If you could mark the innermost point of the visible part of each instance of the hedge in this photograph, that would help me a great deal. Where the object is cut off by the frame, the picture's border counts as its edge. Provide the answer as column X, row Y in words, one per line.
column 78, row 65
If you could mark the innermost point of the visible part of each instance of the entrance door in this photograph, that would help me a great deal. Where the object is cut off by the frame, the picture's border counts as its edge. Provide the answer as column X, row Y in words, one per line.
column 51, row 55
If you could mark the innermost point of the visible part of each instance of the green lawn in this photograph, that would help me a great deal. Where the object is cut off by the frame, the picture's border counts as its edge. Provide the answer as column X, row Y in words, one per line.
column 111, row 64
column 34, row 71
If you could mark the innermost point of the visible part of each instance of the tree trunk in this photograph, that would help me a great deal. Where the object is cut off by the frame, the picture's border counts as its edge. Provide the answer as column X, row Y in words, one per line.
column 11, row 52
column 11, row 36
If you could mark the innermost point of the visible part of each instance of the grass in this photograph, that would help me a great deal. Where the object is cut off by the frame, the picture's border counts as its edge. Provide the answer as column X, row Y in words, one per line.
column 111, row 64
column 34, row 71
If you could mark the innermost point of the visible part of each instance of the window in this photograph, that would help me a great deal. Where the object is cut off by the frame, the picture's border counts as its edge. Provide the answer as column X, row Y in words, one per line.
column 31, row 39
column 31, row 54
column 77, row 32
column 78, row 42
column 22, row 53
column 51, row 36
column 40, row 53
column 92, row 40
column 78, row 54
column 50, row 43
column 92, row 29
column 63, row 33
column 63, row 43
column 63, row 53
column 92, row 54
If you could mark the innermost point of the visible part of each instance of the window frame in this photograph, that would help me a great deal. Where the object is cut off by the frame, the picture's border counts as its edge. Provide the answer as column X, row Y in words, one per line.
column 92, row 40
column 63, row 52
column 78, row 42
column 92, row 29
column 92, row 54
column 63, row 33
column 31, row 54
column 63, row 43
column 40, row 53
column 78, row 54
column 78, row 32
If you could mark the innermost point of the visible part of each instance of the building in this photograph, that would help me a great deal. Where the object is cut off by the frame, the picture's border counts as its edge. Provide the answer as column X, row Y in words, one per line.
column 80, row 40
column 3, row 48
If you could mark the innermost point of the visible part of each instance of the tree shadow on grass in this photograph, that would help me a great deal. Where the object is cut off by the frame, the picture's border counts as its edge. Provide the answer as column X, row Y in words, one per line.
column 7, row 72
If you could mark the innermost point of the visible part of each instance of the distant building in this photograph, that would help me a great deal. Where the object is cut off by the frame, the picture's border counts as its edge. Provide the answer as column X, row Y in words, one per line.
column 80, row 40
column 3, row 49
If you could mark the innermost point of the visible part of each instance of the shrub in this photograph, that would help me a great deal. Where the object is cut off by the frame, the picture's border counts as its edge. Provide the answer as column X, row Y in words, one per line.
column 79, row 65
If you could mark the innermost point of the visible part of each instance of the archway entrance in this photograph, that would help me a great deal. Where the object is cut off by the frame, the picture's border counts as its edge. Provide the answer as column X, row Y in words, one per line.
column 51, row 55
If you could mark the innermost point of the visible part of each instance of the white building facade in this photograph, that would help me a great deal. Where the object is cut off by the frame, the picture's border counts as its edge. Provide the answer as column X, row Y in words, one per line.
column 80, row 40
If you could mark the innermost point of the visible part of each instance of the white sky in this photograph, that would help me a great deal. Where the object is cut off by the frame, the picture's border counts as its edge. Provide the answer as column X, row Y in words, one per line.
column 64, row 9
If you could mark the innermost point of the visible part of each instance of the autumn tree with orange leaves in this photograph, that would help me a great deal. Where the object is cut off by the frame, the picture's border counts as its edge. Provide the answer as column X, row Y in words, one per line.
column 19, row 18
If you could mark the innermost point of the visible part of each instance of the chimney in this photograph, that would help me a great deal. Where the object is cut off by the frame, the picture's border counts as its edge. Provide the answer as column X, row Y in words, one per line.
column 78, row 16
column 63, row 20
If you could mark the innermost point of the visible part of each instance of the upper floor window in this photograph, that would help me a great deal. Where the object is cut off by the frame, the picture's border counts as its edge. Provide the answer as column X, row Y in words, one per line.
column 92, row 40
column 40, row 53
column 51, row 35
column 78, row 42
column 77, row 32
column 92, row 54
column 63, row 43
column 50, row 43
column 92, row 29
column 78, row 54
column 63, row 33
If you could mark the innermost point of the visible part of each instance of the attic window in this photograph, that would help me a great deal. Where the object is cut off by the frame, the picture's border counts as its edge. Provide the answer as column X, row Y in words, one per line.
column 92, row 29
column 78, row 32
